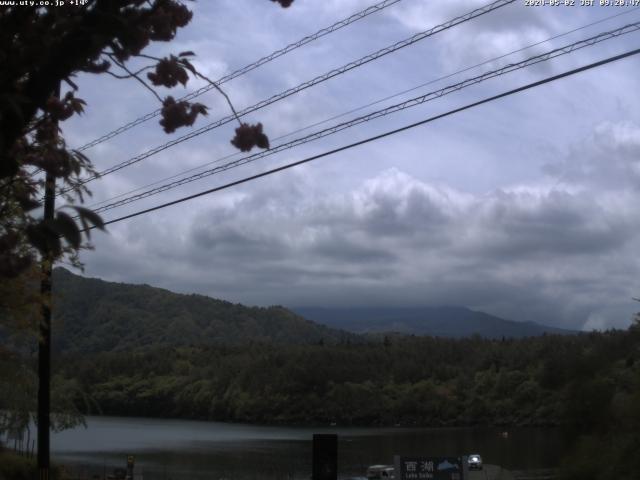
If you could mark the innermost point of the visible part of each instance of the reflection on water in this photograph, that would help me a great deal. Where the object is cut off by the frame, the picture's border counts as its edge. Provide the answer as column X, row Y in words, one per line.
column 177, row 449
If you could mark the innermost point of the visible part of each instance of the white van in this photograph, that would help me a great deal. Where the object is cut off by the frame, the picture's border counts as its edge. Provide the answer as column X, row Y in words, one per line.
column 380, row 472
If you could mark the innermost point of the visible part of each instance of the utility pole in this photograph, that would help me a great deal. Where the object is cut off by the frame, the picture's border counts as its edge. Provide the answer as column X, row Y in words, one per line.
column 44, row 341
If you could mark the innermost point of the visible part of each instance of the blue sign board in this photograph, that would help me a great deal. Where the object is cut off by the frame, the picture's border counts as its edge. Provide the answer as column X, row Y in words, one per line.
column 429, row 468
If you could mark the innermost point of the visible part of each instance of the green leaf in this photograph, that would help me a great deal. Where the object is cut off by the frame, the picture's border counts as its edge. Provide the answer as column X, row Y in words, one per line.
column 37, row 238
column 85, row 227
column 45, row 238
column 187, row 64
column 66, row 226
column 91, row 216
column 81, row 156
column 52, row 237
column 27, row 203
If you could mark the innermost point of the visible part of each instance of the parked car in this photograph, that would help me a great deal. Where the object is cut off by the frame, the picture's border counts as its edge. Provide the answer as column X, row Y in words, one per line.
column 380, row 472
column 474, row 461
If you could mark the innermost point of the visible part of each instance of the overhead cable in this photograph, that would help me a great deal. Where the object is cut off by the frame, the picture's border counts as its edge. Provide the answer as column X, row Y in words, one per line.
column 252, row 66
column 376, row 137
column 370, row 104
column 322, row 78
column 534, row 60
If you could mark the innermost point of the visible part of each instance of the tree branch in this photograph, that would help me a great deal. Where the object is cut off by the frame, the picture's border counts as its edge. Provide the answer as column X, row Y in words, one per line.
column 215, row 85
column 125, row 77
column 150, row 57
column 133, row 75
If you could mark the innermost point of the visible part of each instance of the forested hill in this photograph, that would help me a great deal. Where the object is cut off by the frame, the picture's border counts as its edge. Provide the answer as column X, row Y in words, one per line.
column 441, row 321
column 91, row 315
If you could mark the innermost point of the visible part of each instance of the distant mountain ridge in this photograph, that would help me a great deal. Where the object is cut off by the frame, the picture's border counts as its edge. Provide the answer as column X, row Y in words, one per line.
column 92, row 315
column 445, row 321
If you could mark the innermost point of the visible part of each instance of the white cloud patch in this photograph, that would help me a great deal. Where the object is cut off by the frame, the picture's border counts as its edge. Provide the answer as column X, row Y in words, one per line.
column 549, row 255
column 509, row 28
column 608, row 159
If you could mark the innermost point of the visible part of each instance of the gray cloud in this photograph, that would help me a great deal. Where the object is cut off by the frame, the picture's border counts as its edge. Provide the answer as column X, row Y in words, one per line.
column 524, row 207
column 531, row 254
column 516, row 26
column 611, row 161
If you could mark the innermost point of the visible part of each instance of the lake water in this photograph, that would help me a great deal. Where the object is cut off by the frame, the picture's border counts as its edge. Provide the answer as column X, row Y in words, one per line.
column 178, row 449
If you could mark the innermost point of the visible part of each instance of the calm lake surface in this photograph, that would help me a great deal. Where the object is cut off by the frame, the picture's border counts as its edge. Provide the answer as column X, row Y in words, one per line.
column 179, row 449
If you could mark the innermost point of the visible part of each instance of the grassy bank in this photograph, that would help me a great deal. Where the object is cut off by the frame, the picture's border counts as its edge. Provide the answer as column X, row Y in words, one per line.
column 16, row 467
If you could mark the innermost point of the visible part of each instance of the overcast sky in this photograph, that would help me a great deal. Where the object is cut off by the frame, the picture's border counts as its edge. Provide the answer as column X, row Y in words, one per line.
column 526, row 207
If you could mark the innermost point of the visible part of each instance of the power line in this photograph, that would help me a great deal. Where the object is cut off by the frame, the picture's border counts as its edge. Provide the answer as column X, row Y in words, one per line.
column 378, row 137
column 241, row 71
column 370, row 104
column 252, row 66
column 322, row 78
column 466, row 69
column 382, row 112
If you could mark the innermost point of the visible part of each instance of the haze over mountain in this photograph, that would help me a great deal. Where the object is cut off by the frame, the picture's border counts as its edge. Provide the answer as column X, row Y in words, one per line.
column 91, row 315
column 445, row 321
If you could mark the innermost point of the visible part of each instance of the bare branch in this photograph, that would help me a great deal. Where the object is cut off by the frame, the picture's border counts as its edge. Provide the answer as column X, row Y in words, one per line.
column 71, row 83
column 133, row 75
column 36, row 124
column 125, row 77
column 150, row 57
column 215, row 85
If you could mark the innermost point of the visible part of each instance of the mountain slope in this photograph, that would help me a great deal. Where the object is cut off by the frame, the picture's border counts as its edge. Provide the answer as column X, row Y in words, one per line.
column 436, row 321
column 91, row 315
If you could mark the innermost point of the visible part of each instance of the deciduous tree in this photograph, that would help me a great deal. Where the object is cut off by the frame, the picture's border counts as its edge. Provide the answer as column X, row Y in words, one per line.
column 42, row 47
